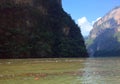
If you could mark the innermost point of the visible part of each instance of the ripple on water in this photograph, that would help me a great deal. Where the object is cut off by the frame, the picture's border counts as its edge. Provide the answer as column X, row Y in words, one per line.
column 101, row 71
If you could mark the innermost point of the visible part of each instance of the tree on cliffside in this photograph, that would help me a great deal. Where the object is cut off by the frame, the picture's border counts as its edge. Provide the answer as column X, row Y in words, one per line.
column 36, row 29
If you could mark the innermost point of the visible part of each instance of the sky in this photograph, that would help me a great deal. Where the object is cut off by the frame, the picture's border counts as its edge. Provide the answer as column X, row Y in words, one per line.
column 86, row 12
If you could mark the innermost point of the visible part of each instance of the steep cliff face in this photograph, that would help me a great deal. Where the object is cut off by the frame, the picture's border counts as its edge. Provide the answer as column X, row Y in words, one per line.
column 38, row 28
column 104, row 39
column 27, row 1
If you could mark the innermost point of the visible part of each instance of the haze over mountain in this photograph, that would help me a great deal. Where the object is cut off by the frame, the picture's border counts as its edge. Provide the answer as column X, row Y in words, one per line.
column 104, row 38
column 38, row 28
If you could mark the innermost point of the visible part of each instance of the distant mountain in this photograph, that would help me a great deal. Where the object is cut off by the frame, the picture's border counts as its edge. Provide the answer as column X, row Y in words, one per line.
column 38, row 29
column 104, row 38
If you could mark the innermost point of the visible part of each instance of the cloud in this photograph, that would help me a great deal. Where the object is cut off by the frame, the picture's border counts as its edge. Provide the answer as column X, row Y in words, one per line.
column 85, row 26
column 96, row 20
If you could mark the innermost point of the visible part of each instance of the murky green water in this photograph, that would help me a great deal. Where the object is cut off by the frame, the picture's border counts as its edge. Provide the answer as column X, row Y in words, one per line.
column 102, row 71
column 60, row 71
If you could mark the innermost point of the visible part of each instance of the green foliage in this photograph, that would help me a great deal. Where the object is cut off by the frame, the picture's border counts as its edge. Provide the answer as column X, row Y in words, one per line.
column 33, row 33
column 107, row 53
column 70, row 48
column 117, row 35
column 106, row 44
column 89, row 42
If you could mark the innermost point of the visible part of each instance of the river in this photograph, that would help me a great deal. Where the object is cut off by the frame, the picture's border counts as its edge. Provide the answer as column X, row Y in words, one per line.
column 102, row 71
column 60, row 71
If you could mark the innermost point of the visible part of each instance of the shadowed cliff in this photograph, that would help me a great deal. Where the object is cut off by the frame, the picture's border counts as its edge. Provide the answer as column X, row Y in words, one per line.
column 37, row 29
column 104, row 38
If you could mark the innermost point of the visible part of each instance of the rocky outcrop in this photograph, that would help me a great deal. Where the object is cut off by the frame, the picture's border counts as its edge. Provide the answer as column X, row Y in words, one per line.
column 37, row 29
column 104, row 37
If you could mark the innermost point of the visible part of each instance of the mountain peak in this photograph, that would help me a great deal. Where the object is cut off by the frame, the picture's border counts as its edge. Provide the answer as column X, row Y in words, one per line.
column 30, row 2
column 110, row 20
column 105, row 35
column 114, row 13
column 38, row 29
column 117, row 7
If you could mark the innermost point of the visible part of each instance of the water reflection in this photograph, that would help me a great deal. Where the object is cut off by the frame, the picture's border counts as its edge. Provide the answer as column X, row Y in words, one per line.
column 101, row 71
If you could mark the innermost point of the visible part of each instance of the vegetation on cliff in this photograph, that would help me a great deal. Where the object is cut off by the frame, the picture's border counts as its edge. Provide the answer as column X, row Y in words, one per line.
column 36, row 29
column 104, row 39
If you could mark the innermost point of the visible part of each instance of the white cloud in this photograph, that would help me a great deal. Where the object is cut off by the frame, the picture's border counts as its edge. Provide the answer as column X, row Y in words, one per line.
column 85, row 25
column 96, row 20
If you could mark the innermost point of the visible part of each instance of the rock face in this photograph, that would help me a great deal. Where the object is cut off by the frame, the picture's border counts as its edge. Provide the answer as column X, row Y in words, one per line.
column 104, row 39
column 38, row 28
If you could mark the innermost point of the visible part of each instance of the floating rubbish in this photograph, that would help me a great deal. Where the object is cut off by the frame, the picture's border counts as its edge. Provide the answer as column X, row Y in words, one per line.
column 36, row 78
column 8, row 62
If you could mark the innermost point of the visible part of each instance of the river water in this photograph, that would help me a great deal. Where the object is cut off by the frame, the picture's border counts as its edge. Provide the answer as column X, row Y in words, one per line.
column 101, row 71
column 60, row 71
